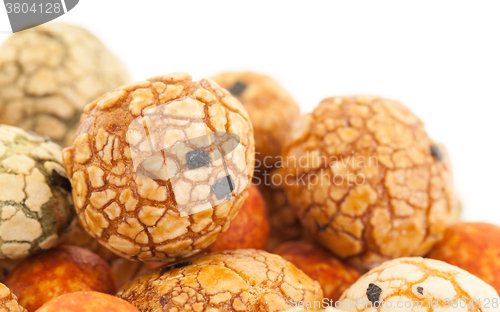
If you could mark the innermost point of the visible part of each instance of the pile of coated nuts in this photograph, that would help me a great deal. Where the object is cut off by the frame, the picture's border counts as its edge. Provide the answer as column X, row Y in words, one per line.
column 170, row 194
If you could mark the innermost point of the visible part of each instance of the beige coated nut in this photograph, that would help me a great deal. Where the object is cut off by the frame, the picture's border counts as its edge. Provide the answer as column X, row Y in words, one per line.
column 49, row 73
column 418, row 284
column 367, row 181
column 35, row 195
column 154, row 179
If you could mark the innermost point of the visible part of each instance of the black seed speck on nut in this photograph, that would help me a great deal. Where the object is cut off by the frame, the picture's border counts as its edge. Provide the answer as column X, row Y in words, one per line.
column 238, row 88
column 321, row 227
column 175, row 266
column 197, row 159
column 373, row 293
column 162, row 301
column 420, row 290
column 58, row 179
column 436, row 152
column 223, row 188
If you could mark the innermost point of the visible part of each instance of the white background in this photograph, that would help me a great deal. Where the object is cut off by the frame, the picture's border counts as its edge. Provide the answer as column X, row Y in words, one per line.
column 441, row 59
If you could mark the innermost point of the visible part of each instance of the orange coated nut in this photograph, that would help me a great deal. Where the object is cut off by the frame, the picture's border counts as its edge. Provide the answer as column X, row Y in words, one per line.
column 87, row 301
column 239, row 280
column 367, row 180
column 271, row 109
column 161, row 167
column 49, row 73
column 333, row 275
column 56, row 272
column 8, row 301
column 417, row 284
column 250, row 227
column 474, row 247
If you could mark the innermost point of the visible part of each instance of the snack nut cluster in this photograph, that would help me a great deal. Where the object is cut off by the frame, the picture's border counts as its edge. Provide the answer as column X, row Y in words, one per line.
column 174, row 195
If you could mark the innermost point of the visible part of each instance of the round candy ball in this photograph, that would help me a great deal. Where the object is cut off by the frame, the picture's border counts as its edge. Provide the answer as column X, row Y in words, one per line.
column 417, row 284
column 238, row 280
column 161, row 167
column 87, row 301
column 8, row 301
column 49, row 73
column 367, row 181
column 271, row 109
column 35, row 193
column 474, row 247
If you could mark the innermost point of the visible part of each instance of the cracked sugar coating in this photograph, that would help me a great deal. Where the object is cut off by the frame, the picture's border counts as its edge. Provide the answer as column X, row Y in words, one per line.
column 271, row 109
column 8, row 301
column 49, row 73
column 362, row 177
column 35, row 204
column 238, row 280
column 431, row 282
column 133, row 188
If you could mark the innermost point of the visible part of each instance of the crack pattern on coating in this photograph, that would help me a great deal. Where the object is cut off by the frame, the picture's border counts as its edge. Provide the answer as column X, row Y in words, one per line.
column 8, row 301
column 34, row 212
column 240, row 280
column 48, row 74
column 363, row 180
column 152, row 124
column 406, row 281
